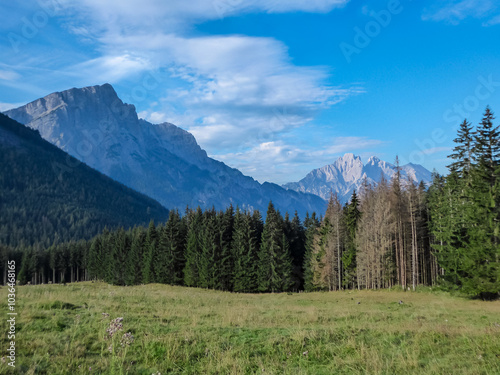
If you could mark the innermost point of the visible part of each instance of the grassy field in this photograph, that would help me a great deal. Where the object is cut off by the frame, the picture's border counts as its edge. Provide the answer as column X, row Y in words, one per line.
column 62, row 330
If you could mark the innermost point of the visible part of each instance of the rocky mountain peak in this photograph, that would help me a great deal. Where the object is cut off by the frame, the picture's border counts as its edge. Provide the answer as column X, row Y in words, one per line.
column 348, row 173
column 162, row 161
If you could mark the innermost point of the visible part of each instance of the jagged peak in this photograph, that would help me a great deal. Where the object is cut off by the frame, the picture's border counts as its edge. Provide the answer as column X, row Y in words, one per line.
column 373, row 160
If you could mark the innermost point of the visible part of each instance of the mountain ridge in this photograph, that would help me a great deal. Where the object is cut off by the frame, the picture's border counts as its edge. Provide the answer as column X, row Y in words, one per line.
column 348, row 173
column 162, row 161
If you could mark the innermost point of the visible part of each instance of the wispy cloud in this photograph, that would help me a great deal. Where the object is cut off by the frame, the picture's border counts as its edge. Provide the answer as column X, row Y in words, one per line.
column 493, row 21
column 110, row 68
column 236, row 87
column 177, row 13
column 6, row 106
column 231, row 91
column 455, row 11
column 280, row 162
column 9, row 75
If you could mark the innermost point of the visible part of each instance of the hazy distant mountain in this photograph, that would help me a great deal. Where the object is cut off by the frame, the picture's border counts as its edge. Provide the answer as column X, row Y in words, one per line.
column 163, row 161
column 47, row 196
column 348, row 173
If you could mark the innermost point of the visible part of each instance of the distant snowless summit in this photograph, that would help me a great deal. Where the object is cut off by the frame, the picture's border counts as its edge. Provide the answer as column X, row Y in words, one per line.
column 348, row 173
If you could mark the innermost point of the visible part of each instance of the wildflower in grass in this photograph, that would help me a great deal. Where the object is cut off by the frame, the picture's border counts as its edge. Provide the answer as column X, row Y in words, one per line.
column 127, row 339
column 115, row 326
column 105, row 315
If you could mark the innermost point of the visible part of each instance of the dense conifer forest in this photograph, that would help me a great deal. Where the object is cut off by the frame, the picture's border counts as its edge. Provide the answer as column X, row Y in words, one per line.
column 395, row 234
column 48, row 197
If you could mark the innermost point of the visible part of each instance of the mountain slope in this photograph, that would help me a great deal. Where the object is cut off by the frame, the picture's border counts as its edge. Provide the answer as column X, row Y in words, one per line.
column 162, row 161
column 47, row 196
column 348, row 173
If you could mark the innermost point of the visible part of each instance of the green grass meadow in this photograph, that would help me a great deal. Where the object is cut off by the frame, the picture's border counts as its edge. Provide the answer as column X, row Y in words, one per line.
column 62, row 330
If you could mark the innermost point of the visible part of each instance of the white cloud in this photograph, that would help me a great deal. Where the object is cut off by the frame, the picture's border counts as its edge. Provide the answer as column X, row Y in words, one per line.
column 111, row 68
column 230, row 91
column 246, row 86
column 281, row 163
column 6, row 106
column 9, row 75
column 177, row 13
column 493, row 21
column 455, row 11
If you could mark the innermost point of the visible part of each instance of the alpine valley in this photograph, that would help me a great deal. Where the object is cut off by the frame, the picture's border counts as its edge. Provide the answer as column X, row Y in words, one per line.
column 165, row 162
column 162, row 161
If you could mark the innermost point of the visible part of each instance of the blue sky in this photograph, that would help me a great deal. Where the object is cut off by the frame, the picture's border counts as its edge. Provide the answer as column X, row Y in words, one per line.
column 274, row 88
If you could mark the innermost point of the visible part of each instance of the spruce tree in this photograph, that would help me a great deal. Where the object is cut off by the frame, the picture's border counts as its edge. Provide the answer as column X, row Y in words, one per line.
column 244, row 250
column 274, row 269
column 148, row 252
column 311, row 225
column 463, row 151
column 193, row 247
column 210, row 252
column 172, row 244
column 351, row 217
column 133, row 264
column 225, row 228
column 297, row 237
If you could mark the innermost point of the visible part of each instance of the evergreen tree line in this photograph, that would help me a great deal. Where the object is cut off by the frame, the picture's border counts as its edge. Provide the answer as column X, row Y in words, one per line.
column 230, row 250
column 465, row 211
column 396, row 233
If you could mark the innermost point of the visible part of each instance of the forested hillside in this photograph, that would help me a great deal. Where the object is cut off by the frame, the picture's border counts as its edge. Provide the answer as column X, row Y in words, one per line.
column 48, row 197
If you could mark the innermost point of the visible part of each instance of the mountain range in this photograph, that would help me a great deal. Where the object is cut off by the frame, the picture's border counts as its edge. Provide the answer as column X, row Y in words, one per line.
column 348, row 173
column 166, row 163
column 162, row 161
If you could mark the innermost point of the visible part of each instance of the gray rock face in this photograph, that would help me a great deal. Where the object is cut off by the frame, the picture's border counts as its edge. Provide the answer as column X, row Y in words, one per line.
column 162, row 161
column 348, row 173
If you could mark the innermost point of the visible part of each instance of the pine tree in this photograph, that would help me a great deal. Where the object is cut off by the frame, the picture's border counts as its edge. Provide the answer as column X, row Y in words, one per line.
column 193, row 247
column 244, row 250
column 479, row 261
column 172, row 244
column 351, row 217
column 274, row 268
column 463, row 151
column 210, row 254
column 225, row 226
column 311, row 225
column 133, row 264
column 487, row 147
column 148, row 252
column 296, row 236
